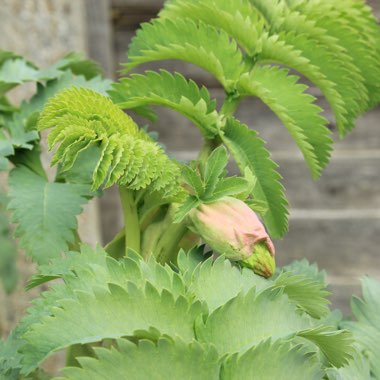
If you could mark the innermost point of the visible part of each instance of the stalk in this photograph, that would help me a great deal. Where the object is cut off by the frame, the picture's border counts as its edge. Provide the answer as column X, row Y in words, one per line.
column 170, row 235
column 131, row 220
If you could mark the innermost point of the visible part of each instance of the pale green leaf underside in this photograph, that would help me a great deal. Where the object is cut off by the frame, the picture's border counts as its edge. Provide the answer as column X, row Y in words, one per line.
column 81, row 118
column 295, row 109
column 272, row 360
column 199, row 44
column 172, row 91
column 248, row 150
column 45, row 213
column 168, row 359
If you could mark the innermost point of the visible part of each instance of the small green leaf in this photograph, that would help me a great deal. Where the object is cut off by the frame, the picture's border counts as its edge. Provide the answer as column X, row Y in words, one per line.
column 214, row 168
column 192, row 178
column 190, row 203
column 308, row 294
column 249, row 151
column 228, row 186
column 337, row 345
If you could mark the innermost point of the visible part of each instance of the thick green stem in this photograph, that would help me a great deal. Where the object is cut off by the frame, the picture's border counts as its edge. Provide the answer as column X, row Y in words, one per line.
column 131, row 220
column 169, row 237
column 115, row 248
column 228, row 108
column 230, row 105
column 167, row 247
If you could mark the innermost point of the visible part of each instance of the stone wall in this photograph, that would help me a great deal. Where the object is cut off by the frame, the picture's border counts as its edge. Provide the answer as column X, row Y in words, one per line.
column 42, row 31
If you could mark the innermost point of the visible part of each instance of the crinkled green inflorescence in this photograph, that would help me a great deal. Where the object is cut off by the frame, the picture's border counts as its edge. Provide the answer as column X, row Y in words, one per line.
column 81, row 118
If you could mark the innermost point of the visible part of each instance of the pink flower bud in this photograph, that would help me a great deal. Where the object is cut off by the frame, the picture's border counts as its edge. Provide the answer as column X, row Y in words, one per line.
column 231, row 228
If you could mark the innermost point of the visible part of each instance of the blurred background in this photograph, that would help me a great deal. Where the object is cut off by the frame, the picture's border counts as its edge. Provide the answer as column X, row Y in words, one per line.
column 334, row 222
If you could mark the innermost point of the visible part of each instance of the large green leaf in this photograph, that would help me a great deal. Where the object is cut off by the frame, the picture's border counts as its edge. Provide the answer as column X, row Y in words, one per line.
column 45, row 213
column 238, row 18
column 172, row 91
column 216, row 282
column 183, row 39
column 114, row 313
column 295, row 109
column 298, row 52
column 272, row 360
column 237, row 326
column 357, row 31
column 167, row 359
column 367, row 328
column 248, row 150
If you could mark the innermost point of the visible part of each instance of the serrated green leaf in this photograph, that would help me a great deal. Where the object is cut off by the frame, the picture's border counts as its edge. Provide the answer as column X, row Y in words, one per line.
column 16, row 71
column 303, row 267
column 334, row 61
column 79, row 65
column 357, row 368
column 192, row 178
column 148, row 360
column 190, row 203
column 10, row 357
column 216, row 282
column 114, row 313
column 249, row 151
column 200, row 44
column 337, row 345
column 22, row 135
column 357, row 31
column 214, row 168
column 367, row 328
column 237, row 325
column 239, row 19
column 308, row 294
column 272, row 360
column 298, row 52
column 295, row 109
column 227, row 187
column 168, row 90
column 45, row 213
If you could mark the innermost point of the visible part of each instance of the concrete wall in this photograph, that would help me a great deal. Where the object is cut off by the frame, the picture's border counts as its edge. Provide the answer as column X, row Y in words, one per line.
column 43, row 31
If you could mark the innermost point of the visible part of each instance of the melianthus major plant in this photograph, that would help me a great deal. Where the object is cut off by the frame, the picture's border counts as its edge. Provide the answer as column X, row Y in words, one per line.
column 152, row 304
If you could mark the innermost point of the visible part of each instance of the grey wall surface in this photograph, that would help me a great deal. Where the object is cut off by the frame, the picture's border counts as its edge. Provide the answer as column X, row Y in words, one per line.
column 43, row 31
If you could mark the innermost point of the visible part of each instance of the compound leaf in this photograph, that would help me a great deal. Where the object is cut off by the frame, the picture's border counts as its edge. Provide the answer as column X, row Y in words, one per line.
column 200, row 44
column 168, row 90
column 248, row 150
column 295, row 109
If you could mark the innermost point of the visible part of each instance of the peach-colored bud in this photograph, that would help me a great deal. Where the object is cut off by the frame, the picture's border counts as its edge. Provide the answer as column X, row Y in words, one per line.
column 231, row 228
